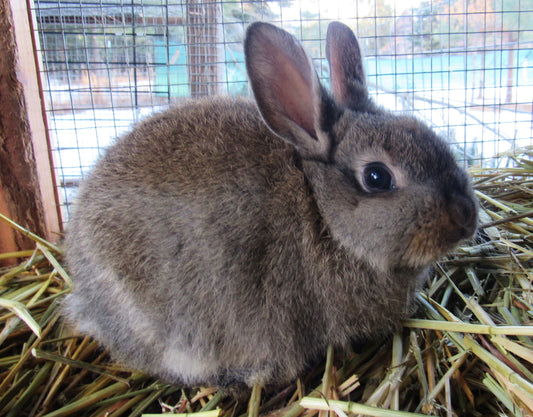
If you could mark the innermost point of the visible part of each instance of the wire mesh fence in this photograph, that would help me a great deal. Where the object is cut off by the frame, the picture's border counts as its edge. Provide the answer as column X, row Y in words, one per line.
column 463, row 66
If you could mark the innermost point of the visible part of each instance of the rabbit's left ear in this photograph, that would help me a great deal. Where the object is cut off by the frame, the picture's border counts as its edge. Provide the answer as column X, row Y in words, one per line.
column 347, row 74
column 287, row 90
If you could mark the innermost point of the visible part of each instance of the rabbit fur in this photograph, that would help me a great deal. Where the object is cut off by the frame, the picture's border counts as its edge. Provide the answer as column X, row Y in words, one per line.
column 228, row 242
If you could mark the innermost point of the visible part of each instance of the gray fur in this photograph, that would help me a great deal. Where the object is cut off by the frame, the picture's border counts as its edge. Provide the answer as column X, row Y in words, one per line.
column 206, row 247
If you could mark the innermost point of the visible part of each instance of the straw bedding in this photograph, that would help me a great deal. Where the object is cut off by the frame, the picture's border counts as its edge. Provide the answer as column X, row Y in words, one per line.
column 468, row 350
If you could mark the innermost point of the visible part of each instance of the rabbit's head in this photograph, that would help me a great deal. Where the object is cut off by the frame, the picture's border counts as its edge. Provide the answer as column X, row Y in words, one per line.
column 387, row 187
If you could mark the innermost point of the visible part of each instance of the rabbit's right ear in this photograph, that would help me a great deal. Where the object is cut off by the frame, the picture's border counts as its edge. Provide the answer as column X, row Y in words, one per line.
column 287, row 90
column 347, row 74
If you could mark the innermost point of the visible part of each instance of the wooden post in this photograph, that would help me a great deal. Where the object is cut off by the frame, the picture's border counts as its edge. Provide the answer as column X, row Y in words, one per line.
column 27, row 189
column 202, row 46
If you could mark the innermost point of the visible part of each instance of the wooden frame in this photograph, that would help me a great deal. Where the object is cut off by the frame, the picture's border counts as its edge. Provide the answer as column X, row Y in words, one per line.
column 27, row 187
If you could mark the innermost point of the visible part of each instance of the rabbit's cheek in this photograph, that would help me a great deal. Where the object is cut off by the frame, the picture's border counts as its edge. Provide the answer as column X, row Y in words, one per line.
column 373, row 234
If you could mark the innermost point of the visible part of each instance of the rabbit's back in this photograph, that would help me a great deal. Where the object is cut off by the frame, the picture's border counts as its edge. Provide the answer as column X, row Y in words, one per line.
column 194, row 141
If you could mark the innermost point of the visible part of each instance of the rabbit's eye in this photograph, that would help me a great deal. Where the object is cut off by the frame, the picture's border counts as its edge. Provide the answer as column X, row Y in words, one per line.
column 377, row 177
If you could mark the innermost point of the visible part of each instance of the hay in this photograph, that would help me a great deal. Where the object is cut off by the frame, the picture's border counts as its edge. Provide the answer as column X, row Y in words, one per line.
column 468, row 350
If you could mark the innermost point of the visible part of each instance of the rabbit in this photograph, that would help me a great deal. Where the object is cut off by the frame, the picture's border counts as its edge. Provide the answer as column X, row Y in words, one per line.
column 229, row 241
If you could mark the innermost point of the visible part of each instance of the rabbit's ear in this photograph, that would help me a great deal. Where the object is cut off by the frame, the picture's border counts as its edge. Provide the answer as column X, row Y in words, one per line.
column 287, row 90
column 347, row 74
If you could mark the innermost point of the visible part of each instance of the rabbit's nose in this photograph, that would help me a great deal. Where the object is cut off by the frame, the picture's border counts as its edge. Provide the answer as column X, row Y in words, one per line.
column 463, row 211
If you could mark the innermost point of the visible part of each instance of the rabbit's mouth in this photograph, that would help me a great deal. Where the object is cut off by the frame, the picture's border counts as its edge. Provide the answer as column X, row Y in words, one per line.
column 420, row 253
column 424, row 249
column 464, row 216
column 439, row 227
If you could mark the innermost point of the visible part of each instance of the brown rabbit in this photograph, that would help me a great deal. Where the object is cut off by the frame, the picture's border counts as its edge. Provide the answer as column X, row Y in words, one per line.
column 228, row 242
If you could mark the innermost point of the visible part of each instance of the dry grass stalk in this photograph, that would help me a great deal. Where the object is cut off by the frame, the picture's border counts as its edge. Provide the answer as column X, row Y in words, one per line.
column 468, row 351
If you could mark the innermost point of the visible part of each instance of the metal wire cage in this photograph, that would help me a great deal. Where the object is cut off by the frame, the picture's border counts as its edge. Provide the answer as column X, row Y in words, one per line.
column 464, row 67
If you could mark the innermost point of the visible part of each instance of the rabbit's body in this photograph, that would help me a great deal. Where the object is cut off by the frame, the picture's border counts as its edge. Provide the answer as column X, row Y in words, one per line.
column 250, row 256
column 207, row 249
